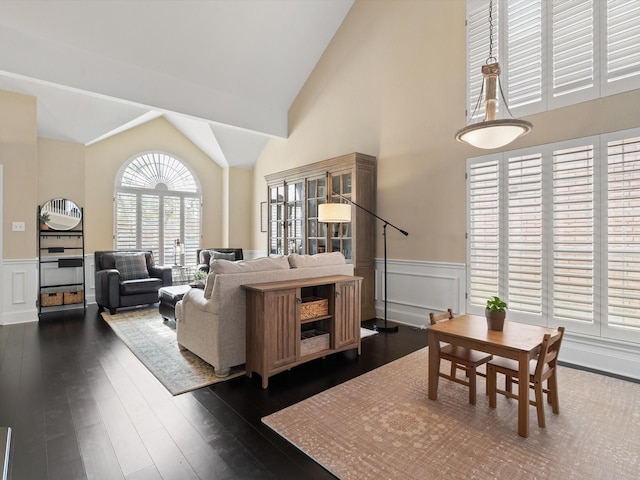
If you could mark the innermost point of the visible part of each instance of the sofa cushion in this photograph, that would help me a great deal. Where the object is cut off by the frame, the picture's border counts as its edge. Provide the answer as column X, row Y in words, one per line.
column 215, row 255
column 319, row 260
column 132, row 266
column 262, row 264
column 140, row 286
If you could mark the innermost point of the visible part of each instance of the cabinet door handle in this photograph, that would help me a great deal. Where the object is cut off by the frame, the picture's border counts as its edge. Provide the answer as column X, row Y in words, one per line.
column 298, row 299
column 338, row 293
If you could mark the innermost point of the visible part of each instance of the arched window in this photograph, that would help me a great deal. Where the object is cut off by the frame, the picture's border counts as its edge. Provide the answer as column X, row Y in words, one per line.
column 157, row 202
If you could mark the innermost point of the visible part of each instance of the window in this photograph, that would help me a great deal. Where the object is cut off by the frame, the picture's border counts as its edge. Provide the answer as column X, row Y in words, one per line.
column 555, row 53
column 158, row 201
column 555, row 231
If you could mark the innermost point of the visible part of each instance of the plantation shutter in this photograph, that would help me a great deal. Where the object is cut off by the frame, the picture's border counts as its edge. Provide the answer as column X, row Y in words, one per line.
column 572, row 46
column 126, row 220
column 573, row 235
column 171, row 229
column 484, row 231
column 150, row 226
column 524, row 53
column 623, row 44
column 623, row 186
column 191, row 228
column 525, row 234
column 478, row 51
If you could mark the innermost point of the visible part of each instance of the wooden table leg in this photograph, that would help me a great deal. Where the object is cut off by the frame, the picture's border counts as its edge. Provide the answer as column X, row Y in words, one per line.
column 434, row 365
column 523, row 394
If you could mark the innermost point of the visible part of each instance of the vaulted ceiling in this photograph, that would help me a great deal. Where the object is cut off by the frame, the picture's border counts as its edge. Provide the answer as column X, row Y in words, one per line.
column 223, row 72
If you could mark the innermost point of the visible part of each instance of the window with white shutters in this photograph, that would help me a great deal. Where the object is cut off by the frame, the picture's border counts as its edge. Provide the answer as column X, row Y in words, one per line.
column 622, row 71
column 554, row 53
column 525, row 234
column 623, row 217
column 573, row 234
column 484, row 231
column 157, row 202
column 523, row 66
column 554, row 230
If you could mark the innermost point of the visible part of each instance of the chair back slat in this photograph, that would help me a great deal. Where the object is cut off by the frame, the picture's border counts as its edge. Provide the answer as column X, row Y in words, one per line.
column 440, row 317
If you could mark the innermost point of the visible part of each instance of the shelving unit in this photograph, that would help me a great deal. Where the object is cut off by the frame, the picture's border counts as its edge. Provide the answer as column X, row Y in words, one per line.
column 282, row 331
column 63, row 287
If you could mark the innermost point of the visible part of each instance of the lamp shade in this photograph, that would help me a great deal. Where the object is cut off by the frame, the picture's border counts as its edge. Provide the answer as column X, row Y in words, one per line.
column 493, row 133
column 334, row 213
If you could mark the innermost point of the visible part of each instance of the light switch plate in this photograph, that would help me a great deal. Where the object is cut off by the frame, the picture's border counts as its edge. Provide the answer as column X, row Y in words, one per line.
column 17, row 226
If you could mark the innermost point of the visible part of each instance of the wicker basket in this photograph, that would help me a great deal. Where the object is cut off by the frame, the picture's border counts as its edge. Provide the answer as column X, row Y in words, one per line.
column 51, row 299
column 73, row 297
column 313, row 307
column 313, row 341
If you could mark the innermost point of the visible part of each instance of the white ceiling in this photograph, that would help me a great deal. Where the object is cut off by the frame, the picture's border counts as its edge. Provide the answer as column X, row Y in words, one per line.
column 223, row 72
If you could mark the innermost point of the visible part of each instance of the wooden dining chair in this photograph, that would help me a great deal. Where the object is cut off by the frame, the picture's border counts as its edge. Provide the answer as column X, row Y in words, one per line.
column 461, row 358
column 540, row 369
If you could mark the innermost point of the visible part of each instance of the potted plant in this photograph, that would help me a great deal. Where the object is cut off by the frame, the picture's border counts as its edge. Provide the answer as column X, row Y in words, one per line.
column 199, row 278
column 44, row 218
column 495, row 311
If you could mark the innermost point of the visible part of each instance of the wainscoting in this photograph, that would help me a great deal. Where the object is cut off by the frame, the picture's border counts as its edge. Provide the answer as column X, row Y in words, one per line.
column 417, row 288
column 414, row 289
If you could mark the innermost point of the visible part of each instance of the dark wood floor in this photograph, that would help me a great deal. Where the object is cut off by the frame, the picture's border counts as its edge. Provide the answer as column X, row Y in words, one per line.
column 82, row 406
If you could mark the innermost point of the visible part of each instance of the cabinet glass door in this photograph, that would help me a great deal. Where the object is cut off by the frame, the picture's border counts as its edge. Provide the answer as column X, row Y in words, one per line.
column 316, row 231
column 295, row 218
column 276, row 220
column 340, row 233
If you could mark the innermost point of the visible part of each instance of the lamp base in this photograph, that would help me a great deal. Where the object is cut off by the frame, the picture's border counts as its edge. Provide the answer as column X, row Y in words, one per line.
column 384, row 328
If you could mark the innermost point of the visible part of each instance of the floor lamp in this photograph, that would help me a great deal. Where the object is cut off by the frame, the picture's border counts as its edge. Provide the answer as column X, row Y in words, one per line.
column 341, row 213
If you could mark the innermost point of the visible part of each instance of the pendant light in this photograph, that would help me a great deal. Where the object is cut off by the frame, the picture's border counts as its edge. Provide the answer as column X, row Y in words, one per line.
column 492, row 132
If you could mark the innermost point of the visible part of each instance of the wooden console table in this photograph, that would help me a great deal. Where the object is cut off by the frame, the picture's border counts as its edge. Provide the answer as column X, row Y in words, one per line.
column 292, row 322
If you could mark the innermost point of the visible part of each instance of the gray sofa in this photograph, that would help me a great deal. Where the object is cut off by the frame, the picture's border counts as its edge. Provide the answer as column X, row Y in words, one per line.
column 210, row 322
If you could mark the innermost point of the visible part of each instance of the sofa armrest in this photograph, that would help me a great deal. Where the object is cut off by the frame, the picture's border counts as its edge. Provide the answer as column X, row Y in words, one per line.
column 195, row 297
column 163, row 273
column 203, row 267
column 108, row 288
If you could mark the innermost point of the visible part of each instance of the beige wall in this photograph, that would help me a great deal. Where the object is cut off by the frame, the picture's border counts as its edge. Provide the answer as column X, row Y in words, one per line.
column 104, row 159
column 19, row 156
column 237, row 201
column 61, row 171
column 392, row 84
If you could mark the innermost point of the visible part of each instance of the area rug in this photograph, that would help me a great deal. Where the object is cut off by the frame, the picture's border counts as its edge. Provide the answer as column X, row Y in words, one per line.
column 382, row 425
column 153, row 340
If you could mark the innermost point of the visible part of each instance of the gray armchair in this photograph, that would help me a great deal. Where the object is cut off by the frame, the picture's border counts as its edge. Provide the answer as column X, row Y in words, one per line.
column 128, row 278
column 203, row 256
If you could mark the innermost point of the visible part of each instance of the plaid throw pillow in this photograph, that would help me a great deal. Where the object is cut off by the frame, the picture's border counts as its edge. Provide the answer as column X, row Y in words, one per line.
column 131, row 266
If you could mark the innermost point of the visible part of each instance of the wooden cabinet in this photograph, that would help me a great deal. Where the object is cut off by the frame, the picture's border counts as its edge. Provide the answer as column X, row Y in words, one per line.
column 293, row 227
column 282, row 332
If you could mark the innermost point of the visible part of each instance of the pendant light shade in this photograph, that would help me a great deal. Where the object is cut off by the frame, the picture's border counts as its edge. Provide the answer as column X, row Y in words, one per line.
column 334, row 213
column 492, row 132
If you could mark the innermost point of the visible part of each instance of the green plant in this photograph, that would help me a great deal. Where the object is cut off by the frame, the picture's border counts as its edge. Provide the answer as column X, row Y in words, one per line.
column 200, row 275
column 44, row 217
column 496, row 305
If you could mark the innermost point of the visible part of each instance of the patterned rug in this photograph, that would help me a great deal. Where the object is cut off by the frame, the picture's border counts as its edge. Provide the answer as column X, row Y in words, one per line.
column 382, row 425
column 153, row 340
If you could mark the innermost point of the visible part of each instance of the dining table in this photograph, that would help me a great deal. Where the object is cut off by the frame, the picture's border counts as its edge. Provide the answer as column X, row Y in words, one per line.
column 518, row 341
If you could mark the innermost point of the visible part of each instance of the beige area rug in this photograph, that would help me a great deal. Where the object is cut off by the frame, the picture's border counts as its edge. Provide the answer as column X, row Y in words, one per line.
column 153, row 340
column 381, row 425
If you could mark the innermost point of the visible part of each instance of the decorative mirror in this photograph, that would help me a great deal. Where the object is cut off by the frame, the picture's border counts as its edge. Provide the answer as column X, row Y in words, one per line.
column 63, row 214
